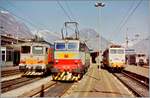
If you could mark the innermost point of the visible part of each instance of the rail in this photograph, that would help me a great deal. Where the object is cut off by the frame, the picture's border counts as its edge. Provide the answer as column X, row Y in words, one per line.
column 9, row 72
column 135, row 83
column 51, row 89
column 16, row 83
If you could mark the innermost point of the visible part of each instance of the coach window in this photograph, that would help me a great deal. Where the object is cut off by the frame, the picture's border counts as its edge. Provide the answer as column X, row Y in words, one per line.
column 72, row 46
column 37, row 50
column 60, row 46
column 25, row 49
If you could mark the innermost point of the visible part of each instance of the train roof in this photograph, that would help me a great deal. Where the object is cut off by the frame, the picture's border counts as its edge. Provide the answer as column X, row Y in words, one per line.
column 36, row 44
column 115, row 46
column 73, row 40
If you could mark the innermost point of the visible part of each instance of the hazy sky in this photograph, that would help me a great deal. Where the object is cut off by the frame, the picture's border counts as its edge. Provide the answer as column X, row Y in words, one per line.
column 48, row 14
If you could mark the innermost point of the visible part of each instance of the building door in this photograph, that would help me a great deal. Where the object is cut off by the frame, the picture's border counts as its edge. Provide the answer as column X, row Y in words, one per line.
column 16, row 58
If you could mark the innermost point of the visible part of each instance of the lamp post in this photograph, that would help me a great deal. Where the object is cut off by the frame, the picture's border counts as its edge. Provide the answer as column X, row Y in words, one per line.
column 98, row 5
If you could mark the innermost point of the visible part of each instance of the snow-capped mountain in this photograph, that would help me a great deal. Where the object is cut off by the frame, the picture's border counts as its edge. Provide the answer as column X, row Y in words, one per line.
column 10, row 25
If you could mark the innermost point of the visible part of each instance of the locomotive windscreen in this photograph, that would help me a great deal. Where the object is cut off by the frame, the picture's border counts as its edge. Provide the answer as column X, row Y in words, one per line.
column 25, row 49
column 66, row 46
column 72, row 46
column 37, row 50
column 60, row 46
column 116, row 51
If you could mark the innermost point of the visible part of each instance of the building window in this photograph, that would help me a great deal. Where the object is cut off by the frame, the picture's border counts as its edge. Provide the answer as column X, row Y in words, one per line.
column 3, row 55
column 8, row 55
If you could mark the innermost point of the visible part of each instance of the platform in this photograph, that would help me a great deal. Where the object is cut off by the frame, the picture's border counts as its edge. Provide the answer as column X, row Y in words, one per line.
column 138, row 70
column 5, row 68
column 98, row 83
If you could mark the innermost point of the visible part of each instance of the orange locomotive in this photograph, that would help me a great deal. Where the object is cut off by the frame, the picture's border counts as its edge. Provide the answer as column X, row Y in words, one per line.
column 36, row 58
column 71, row 59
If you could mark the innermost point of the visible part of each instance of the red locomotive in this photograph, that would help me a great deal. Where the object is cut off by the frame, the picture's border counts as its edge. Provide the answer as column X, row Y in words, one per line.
column 71, row 58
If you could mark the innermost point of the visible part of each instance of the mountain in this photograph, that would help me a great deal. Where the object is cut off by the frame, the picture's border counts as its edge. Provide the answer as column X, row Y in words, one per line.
column 10, row 25
column 92, row 39
column 89, row 35
column 49, row 36
column 143, row 46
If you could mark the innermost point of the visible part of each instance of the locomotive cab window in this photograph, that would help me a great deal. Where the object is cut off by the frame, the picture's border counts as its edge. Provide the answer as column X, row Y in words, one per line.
column 46, row 50
column 113, row 51
column 82, row 47
column 72, row 46
column 60, row 46
column 25, row 49
column 120, row 51
column 37, row 50
column 116, row 51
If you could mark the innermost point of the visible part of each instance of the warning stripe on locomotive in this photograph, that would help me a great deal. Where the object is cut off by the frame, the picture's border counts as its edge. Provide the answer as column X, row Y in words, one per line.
column 63, row 77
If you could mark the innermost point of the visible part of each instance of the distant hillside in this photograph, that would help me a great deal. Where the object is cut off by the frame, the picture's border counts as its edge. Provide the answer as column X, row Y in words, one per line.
column 89, row 35
column 49, row 36
column 143, row 46
column 11, row 26
column 92, row 39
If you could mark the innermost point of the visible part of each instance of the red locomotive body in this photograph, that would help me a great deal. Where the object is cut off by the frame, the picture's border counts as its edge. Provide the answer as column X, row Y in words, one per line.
column 71, row 60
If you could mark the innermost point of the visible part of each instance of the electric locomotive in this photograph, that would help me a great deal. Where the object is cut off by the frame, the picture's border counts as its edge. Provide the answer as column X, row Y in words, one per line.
column 114, row 58
column 36, row 58
column 71, row 58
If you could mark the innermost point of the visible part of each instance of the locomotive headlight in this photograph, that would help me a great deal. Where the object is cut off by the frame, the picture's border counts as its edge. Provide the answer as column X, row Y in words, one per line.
column 57, row 61
column 78, row 65
column 76, row 61
column 22, row 61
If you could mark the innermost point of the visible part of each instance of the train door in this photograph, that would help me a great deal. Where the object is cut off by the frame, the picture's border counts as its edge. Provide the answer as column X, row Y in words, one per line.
column 16, row 58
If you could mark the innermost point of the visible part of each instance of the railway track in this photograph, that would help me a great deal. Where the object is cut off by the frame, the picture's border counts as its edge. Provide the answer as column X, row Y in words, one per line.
column 9, row 72
column 16, row 83
column 57, row 90
column 139, row 85
column 51, row 89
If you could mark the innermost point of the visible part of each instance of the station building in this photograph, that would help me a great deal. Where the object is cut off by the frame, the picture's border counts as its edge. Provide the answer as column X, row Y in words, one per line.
column 10, row 50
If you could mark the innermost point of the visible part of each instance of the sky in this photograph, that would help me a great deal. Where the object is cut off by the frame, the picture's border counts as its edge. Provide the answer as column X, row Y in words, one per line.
column 107, row 21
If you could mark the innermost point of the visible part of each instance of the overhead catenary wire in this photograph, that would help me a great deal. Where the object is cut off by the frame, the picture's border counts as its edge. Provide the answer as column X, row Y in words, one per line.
column 25, row 20
column 14, row 6
column 70, row 18
column 32, row 24
column 131, row 11
column 125, row 16
column 130, row 14
column 65, row 12
column 70, row 11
